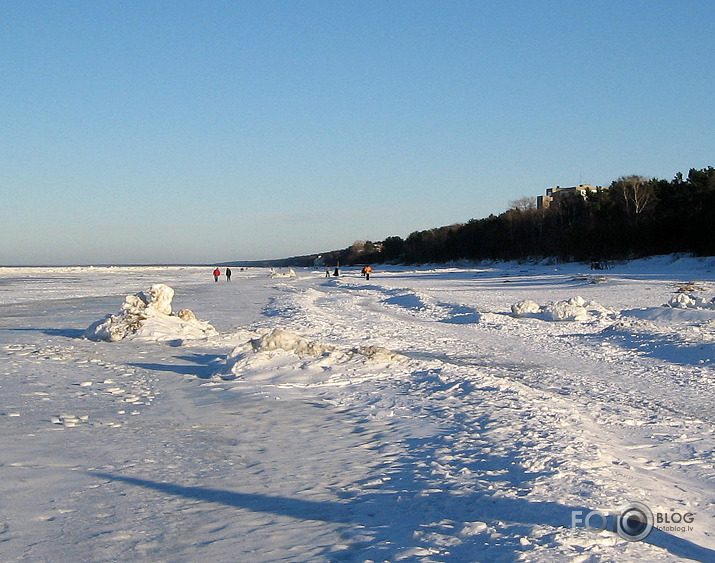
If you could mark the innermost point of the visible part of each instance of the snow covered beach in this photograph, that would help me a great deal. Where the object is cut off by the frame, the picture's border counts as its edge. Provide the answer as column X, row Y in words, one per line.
column 424, row 415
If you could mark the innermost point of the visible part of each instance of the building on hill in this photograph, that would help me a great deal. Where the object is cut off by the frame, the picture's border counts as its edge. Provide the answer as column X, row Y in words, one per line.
column 557, row 194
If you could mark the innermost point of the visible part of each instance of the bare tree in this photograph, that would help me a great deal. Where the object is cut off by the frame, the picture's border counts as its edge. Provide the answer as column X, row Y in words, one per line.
column 523, row 204
column 637, row 195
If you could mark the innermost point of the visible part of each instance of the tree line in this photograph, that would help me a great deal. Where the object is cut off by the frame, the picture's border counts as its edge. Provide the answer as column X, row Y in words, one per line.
column 633, row 217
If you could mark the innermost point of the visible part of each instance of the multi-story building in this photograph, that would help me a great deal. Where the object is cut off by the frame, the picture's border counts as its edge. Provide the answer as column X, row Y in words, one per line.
column 555, row 195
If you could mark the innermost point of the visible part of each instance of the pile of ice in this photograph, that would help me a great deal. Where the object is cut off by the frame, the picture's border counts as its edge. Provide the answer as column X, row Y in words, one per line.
column 289, row 274
column 148, row 316
column 574, row 309
column 689, row 301
column 279, row 339
column 269, row 347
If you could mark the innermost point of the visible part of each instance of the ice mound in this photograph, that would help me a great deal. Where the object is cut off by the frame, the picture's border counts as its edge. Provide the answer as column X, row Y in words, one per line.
column 688, row 301
column 148, row 316
column 280, row 348
column 526, row 307
column 574, row 309
column 280, row 339
column 290, row 274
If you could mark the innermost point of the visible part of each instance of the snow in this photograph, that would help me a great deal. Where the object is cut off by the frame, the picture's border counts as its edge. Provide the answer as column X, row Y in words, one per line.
column 148, row 316
column 686, row 301
column 573, row 309
column 289, row 274
column 468, row 413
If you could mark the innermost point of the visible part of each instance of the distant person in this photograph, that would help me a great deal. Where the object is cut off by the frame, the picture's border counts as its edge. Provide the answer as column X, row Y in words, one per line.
column 327, row 272
column 336, row 273
column 368, row 271
column 228, row 274
column 217, row 273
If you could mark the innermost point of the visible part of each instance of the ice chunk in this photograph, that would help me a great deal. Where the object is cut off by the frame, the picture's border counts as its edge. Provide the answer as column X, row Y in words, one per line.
column 147, row 316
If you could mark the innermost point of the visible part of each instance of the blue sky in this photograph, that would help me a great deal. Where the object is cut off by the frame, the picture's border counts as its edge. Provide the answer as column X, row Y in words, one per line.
column 197, row 132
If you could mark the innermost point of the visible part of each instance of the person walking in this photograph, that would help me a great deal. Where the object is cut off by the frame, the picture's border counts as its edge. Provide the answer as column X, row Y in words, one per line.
column 217, row 273
column 228, row 274
column 368, row 271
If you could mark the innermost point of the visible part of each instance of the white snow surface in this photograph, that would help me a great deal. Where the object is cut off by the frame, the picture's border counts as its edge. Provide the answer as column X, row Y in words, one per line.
column 574, row 309
column 413, row 417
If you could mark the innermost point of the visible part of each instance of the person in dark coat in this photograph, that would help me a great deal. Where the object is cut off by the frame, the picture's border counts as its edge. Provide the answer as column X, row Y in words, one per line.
column 228, row 274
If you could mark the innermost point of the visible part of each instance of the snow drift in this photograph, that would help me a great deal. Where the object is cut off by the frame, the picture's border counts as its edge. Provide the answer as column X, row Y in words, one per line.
column 290, row 274
column 148, row 316
column 685, row 309
column 688, row 301
column 279, row 339
column 574, row 309
column 312, row 359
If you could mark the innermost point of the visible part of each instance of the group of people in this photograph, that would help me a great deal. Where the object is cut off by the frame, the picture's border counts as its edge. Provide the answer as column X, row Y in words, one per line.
column 217, row 274
column 366, row 271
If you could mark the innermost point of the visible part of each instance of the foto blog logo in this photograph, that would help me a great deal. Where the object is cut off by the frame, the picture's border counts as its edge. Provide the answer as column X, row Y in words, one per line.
column 633, row 521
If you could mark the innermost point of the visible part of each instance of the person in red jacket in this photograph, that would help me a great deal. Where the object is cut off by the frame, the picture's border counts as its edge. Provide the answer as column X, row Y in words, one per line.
column 217, row 273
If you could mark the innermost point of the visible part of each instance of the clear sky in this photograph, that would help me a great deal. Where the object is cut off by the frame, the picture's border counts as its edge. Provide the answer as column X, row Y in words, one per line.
column 205, row 131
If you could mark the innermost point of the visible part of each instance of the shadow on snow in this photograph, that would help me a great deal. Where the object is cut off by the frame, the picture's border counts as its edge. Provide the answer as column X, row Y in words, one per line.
column 66, row 332
column 382, row 513
column 403, row 505
column 202, row 366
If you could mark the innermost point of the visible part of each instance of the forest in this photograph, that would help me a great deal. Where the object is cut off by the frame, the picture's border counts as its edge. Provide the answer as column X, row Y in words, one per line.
column 631, row 218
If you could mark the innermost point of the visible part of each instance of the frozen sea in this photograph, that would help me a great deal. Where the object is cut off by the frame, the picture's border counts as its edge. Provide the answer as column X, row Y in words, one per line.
column 438, row 414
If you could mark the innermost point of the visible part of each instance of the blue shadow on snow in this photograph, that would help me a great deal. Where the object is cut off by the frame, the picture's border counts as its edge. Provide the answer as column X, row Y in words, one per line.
column 202, row 366
column 380, row 511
